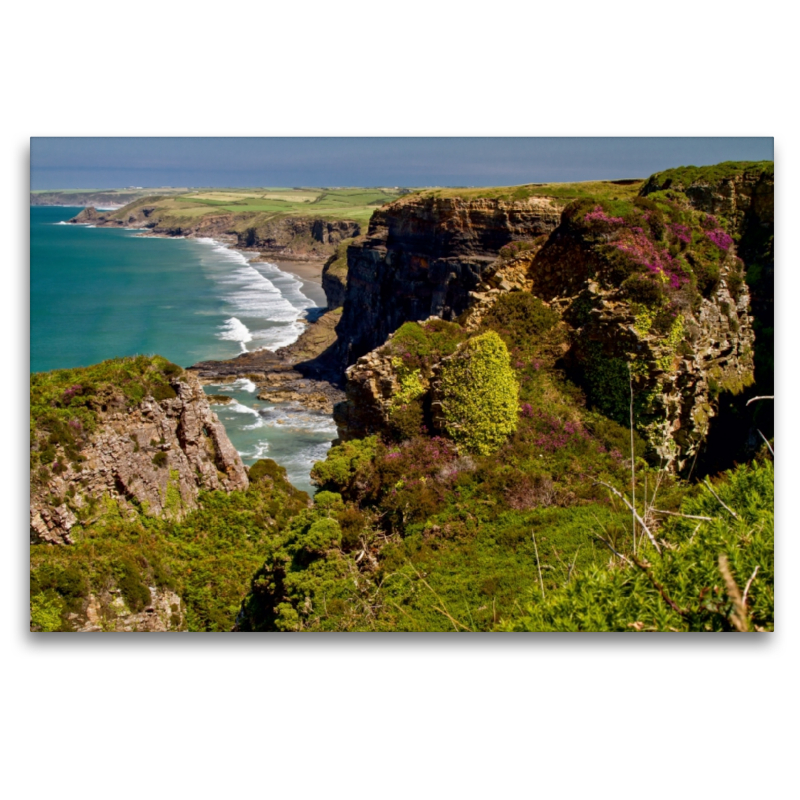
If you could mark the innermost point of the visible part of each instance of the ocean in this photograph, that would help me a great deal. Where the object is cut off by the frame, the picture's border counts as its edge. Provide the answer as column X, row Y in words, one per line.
column 99, row 293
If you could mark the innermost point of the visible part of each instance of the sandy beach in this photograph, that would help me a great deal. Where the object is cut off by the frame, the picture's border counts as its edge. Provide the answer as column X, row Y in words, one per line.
column 310, row 273
column 306, row 270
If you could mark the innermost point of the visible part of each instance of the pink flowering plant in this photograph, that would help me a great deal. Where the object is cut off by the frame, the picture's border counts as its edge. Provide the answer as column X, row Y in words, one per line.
column 635, row 243
column 721, row 239
column 681, row 232
column 598, row 215
column 670, row 253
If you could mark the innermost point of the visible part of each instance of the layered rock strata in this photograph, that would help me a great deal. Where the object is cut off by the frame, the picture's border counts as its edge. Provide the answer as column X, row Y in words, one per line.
column 285, row 238
column 156, row 456
column 423, row 256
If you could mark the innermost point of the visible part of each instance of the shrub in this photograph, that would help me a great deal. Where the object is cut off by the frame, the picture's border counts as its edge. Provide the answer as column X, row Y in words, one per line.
column 266, row 468
column 171, row 370
column 519, row 315
column 163, row 391
column 645, row 289
column 160, row 459
column 420, row 345
column 343, row 463
column 479, row 394
column 134, row 591
column 408, row 420
column 323, row 535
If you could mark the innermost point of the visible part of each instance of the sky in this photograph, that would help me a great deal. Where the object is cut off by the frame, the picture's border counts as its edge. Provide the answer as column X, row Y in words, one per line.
column 105, row 163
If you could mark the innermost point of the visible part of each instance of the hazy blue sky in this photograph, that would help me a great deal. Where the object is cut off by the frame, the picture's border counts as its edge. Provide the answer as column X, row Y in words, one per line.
column 98, row 163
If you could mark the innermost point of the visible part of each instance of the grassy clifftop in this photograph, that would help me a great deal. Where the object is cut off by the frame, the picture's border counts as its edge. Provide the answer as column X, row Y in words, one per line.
column 608, row 190
column 257, row 206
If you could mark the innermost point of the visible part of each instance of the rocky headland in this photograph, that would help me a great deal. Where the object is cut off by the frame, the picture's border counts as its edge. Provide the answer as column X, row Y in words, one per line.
column 484, row 355
column 153, row 454
column 288, row 238
column 657, row 290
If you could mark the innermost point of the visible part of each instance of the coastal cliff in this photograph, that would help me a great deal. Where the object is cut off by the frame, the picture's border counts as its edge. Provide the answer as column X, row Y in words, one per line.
column 422, row 256
column 136, row 432
column 652, row 289
column 298, row 238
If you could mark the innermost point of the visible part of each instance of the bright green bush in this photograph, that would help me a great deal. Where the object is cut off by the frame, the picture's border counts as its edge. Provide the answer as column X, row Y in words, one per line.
column 323, row 535
column 480, row 395
column 343, row 463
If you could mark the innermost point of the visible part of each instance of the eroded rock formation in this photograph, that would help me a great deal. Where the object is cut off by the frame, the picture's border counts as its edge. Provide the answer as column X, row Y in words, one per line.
column 423, row 256
column 156, row 456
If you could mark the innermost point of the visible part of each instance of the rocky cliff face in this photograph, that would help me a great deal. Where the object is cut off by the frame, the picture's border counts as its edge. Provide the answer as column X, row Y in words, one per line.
column 744, row 195
column 289, row 238
column 422, row 256
column 109, row 612
column 156, row 455
column 653, row 293
column 300, row 238
column 677, row 353
column 103, row 199
column 375, row 380
column 334, row 275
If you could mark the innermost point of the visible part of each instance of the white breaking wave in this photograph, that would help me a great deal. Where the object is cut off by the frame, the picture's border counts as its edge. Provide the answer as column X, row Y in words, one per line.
column 290, row 285
column 299, row 420
column 278, row 336
column 298, row 467
column 234, row 330
column 258, row 422
column 239, row 385
column 241, row 409
column 243, row 385
column 260, row 450
column 61, row 223
column 257, row 293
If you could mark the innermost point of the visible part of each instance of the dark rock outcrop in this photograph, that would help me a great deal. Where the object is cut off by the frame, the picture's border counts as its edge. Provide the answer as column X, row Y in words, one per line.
column 298, row 238
column 88, row 216
column 423, row 256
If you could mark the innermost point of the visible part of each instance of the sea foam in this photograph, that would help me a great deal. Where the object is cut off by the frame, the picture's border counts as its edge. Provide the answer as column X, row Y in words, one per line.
column 265, row 304
column 234, row 330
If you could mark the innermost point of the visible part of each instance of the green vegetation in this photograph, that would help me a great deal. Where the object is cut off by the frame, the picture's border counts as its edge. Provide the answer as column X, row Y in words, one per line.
column 713, row 575
column 561, row 192
column 208, row 558
column 479, row 394
column 421, row 345
column 517, row 518
column 65, row 403
column 255, row 207
column 437, row 539
column 681, row 178
column 337, row 264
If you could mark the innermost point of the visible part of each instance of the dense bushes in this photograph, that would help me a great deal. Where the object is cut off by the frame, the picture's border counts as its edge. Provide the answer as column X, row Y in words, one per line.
column 420, row 345
column 479, row 394
column 208, row 558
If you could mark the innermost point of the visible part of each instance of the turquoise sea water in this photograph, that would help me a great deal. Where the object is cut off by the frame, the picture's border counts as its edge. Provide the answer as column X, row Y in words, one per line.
column 99, row 293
